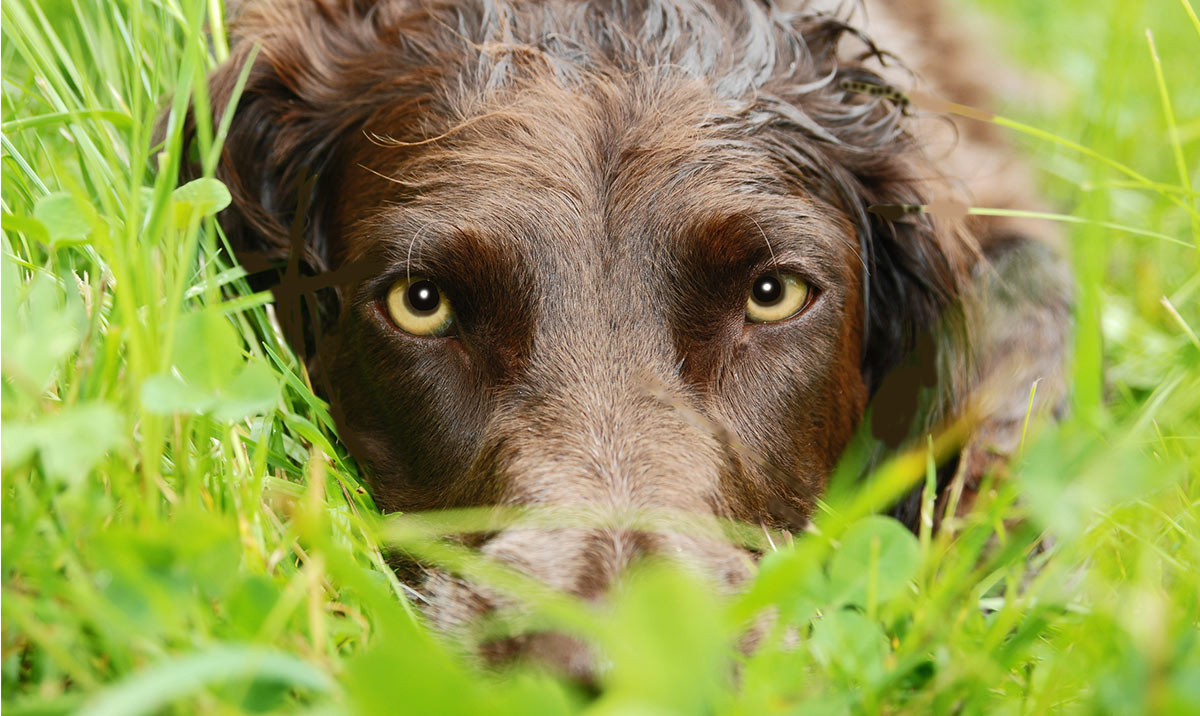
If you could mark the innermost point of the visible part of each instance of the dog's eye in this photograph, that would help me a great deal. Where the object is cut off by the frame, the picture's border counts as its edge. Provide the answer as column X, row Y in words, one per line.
column 776, row 297
column 418, row 307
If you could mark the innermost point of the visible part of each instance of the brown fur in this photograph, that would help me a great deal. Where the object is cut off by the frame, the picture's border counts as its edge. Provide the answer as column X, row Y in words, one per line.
column 595, row 185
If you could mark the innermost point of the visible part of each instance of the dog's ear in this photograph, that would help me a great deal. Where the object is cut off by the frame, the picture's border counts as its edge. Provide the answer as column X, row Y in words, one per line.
column 304, row 104
column 854, row 150
column 297, row 107
column 842, row 133
column 915, row 265
column 914, row 262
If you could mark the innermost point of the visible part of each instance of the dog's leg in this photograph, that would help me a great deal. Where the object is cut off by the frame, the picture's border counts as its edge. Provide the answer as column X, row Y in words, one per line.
column 997, row 361
column 1017, row 313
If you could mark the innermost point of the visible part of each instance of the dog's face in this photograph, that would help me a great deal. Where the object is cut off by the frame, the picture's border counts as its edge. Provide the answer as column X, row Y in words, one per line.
column 588, row 260
column 593, row 302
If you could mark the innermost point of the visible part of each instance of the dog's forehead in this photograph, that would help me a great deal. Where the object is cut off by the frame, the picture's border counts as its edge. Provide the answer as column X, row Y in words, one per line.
column 604, row 179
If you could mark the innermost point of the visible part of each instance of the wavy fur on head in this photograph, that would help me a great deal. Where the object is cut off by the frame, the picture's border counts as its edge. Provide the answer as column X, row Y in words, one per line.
column 332, row 76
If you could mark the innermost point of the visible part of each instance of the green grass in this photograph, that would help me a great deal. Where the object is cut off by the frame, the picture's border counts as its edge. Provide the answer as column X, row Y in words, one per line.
column 208, row 547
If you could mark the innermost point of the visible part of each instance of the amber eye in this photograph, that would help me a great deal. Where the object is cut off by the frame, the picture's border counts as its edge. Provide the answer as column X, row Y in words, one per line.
column 775, row 297
column 418, row 307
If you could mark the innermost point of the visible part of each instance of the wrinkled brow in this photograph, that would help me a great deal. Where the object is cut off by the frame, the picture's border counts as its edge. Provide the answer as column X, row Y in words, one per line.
column 794, row 233
column 398, row 243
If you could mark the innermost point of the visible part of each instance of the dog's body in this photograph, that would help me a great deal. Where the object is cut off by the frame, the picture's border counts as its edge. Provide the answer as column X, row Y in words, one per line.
column 595, row 187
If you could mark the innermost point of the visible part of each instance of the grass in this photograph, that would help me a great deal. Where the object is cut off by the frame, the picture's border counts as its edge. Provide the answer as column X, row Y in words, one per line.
column 208, row 546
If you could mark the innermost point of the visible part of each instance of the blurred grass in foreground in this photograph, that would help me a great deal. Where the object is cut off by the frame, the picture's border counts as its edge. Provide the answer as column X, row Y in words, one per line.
column 187, row 534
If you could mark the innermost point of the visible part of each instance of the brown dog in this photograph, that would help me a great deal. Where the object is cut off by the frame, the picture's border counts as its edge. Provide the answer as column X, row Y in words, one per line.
column 633, row 255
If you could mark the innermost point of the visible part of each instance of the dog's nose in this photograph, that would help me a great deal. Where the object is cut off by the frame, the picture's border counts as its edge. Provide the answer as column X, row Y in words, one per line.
column 609, row 468
column 580, row 561
column 563, row 655
column 584, row 562
column 594, row 565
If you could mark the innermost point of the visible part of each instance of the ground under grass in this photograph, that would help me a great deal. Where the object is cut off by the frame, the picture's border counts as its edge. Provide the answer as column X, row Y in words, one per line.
column 206, row 546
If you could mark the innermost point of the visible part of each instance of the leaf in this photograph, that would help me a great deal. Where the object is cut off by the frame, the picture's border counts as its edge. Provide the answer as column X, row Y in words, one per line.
column 804, row 588
column 875, row 549
column 39, row 330
column 199, row 198
column 1069, row 475
column 69, row 443
column 311, row 433
column 250, row 603
column 207, row 351
column 27, row 225
column 665, row 646
column 208, row 551
column 151, row 690
column 253, row 390
column 849, row 642
column 210, row 374
column 167, row 394
column 78, row 438
column 431, row 683
column 65, row 218
column 20, row 444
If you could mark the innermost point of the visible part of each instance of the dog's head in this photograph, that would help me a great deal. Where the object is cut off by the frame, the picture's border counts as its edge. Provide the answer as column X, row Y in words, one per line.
column 602, row 256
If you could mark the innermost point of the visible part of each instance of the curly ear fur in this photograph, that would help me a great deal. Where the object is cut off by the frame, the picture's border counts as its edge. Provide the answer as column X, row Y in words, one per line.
column 293, row 114
column 857, row 152
column 319, row 70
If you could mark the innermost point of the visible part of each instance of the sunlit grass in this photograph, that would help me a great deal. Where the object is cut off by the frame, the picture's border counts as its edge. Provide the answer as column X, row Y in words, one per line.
column 207, row 545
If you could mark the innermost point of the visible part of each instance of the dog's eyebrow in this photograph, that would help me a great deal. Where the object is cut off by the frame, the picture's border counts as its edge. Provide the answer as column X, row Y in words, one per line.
column 398, row 237
column 744, row 238
column 404, row 243
column 412, row 244
column 730, row 239
column 766, row 240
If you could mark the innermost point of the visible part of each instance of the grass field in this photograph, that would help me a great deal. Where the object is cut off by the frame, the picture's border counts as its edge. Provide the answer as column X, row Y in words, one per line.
column 182, row 531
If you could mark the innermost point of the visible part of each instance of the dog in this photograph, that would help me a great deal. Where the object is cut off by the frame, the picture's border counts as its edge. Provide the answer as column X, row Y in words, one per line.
column 635, row 255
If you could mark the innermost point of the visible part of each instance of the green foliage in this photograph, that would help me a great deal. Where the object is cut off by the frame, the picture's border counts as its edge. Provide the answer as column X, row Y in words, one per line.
column 63, row 218
column 209, row 374
column 182, row 531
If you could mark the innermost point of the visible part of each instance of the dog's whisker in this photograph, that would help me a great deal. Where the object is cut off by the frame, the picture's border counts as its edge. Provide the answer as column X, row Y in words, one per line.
column 767, row 534
column 767, row 241
column 382, row 176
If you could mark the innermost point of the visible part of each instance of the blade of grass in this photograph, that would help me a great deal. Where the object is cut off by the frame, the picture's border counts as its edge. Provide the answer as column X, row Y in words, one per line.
column 1072, row 219
column 157, row 688
column 1172, row 130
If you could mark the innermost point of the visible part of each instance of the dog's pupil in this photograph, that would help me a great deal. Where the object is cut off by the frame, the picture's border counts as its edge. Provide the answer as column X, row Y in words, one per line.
column 768, row 289
column 423, row 296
